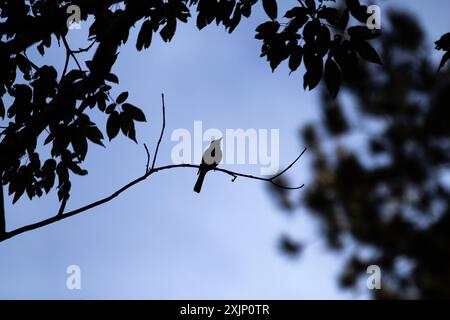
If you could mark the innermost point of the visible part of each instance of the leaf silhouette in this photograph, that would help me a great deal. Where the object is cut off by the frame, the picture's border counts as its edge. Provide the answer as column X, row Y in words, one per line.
column 359, row 33
column 295, row 59
column 311, row 5
column 271, row 8
column 343, row 21
column 312, row 77
column 145, row 35
column 127, row 126
column 169, row 29
column 113, row 125
column 366, row 51
column 134, row 112
column 122, row 97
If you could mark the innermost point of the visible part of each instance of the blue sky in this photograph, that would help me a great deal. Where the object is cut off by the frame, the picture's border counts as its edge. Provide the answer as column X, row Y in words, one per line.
column 160, row 239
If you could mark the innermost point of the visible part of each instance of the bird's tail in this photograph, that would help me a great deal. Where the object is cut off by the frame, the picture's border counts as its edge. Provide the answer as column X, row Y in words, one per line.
column 199, row 183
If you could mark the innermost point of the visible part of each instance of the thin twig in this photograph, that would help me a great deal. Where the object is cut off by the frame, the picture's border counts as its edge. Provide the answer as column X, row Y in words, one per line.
column 32, row 64
column 2, row 208
column 63, row 206
column 288, row 167
column 66, row 44
column 162, row 131
column 81, row 50
column 228, row 172
column 148, row 158
column 70, row 52
column 66, row 64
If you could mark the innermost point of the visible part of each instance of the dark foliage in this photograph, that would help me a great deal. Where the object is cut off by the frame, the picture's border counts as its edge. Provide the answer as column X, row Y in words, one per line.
column 444, row 44
column 54, row 106
column 374, row 203
column 381, row 167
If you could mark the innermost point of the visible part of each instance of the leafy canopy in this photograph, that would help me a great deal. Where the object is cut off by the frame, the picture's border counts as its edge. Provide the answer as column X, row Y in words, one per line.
column 53, row 104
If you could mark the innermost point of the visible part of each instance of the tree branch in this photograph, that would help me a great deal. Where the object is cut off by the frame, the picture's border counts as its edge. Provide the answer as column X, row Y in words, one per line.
column 66, row 215
column 288, row 167
column 66, row 64
column 71, row 53
column 63, row 205
column 148, row 172
column 81, row 50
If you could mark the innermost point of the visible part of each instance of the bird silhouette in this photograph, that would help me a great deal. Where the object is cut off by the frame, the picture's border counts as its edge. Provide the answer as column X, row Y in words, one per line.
column 211, row 158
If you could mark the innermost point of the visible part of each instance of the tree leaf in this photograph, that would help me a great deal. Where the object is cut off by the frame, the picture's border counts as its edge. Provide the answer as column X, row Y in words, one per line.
column 311, row 30
column 169, row 29
column 343, row 21
column 145, row 36
column 75, row 168
column 267, row 29
column 122, row 97
column 112, row 78
column 295, row 12
column 110, row 108
column 235, row 20
column 80, row 146
column 127, row 126
column 330, row 14
column 313, row 76
column 359, row 33
column 311, row 5
column 94, row 134
column 296, row 57
column 134, row 112
column 367, row 52
column 113, row 125
column 346, row 57
column 271, row 8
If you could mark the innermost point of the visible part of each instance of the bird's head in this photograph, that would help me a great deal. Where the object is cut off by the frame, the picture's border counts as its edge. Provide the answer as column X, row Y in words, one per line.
column 216, row 141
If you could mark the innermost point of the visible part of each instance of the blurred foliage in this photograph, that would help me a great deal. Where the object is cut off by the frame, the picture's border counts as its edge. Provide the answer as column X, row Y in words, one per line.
column 381, row 168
